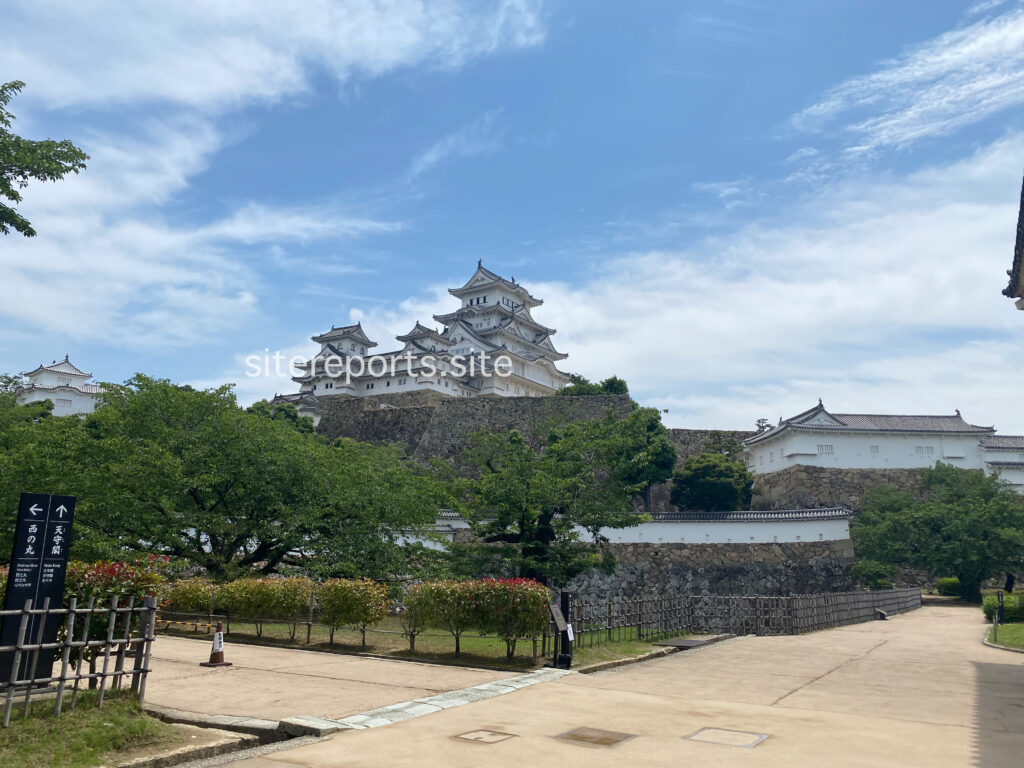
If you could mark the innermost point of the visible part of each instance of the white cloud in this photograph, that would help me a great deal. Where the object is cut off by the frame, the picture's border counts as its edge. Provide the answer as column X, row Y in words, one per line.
column 479, row 137
column 217, row 55
column 956, row 79
column 107, row 267
column 883, row 295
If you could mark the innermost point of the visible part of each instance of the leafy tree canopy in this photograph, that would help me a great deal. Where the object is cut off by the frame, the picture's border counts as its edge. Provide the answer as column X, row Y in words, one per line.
column 712, row 482
column 285, row 412
column 173, row 470
column 967, row 525
column 540, row 509
column 580, row 385
column 23, row 160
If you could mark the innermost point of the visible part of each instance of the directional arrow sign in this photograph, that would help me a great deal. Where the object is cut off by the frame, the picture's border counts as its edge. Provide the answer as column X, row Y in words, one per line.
column 38, row 566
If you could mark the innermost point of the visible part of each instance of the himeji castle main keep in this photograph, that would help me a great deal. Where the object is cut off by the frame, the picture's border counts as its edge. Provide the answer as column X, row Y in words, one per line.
column 491, row 345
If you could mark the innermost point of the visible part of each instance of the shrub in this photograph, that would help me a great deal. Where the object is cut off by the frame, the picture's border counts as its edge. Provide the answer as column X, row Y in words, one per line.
column 1013, row 605
column 100, row 581
column 454, row 606
column 141, row 578
column 190, row 596
column 359, row 603
column 258, row 600
column 873, row 574
column 512, row 608
column 949, row 587
column 414, row 612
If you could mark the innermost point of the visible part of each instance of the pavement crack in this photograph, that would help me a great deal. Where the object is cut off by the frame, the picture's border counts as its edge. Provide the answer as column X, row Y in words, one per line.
column 828, row 672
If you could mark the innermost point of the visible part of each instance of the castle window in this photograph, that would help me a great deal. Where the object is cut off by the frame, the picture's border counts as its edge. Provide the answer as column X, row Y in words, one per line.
column 63, row 402
column 825, row 449
column 873, row 449
column 924, row 450
column 387, row 384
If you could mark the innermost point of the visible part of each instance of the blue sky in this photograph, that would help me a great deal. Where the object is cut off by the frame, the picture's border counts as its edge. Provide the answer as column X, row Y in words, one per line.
column 737, row 206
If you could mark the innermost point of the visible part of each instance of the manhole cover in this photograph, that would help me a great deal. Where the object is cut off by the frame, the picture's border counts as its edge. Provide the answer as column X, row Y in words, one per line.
column 595, row 737
column 485, row 737
column 728, row 737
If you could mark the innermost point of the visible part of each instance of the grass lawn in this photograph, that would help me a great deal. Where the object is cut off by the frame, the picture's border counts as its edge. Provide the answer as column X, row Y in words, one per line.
column 81, row 738
column 386, row 639
column 1010, row 635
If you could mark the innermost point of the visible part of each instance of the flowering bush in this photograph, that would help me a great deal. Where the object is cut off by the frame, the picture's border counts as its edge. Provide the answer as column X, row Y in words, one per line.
column 143, row 577
column 190, row 596
column 351, row 602
column 262, row 599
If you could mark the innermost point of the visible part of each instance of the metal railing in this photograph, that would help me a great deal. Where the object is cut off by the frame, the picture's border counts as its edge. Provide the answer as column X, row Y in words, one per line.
column 126, row 633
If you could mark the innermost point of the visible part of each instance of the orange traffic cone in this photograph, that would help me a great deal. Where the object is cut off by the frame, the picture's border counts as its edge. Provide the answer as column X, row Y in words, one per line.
column 217, row 654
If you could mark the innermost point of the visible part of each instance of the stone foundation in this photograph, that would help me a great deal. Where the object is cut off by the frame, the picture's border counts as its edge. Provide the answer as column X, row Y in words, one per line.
column 669, row 570
column 802, row 487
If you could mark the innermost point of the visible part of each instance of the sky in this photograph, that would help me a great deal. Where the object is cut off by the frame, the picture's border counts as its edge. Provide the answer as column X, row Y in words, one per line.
column 737, row 206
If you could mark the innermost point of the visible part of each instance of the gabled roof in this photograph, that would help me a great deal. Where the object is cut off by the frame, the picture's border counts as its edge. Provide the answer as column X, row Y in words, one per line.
column 1003, row 442
column 819, row 419
column 345, row 332
column 1015, row 290
column 64, row 366
column 483, row 277
column 421, row 331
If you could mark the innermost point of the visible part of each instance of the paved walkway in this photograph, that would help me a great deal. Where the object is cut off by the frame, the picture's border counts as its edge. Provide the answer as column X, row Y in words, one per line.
column 917, row 690
column 275, row 683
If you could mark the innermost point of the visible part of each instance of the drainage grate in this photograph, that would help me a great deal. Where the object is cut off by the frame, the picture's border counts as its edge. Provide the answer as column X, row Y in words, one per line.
column 595, row 737
column 728, row 737
column 485, row 737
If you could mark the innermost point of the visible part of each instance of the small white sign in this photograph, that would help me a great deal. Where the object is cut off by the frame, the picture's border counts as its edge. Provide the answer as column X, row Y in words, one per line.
column 569, row 633
column 218, row 642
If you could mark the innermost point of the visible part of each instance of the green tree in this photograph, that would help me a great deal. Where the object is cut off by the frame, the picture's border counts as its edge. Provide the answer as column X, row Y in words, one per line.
column 580, row 385
column 725, row 443
column 712, row 482
column 23, row 160
column 966, row 524
column 173, row 470
column 285, row 412
column 539, row 510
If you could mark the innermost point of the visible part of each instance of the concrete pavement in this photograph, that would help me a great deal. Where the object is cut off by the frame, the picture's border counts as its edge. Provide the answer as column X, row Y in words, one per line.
column 276, row 683
column 917, row 690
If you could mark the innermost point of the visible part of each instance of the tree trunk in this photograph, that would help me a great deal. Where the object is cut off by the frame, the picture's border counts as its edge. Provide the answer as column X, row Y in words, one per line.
column 1011, row 579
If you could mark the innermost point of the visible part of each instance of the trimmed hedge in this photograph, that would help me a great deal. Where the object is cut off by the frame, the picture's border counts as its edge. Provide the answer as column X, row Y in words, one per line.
column 358, row 603
column 260, row 600
column 190, row 596
column 1013, row 605
column 507, row 608
column 949, row 587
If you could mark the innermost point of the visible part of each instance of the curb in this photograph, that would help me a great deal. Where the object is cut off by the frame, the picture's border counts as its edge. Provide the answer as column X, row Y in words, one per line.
column 602, row 666
column 233, row 743
column 985, row 641
column 266, row 730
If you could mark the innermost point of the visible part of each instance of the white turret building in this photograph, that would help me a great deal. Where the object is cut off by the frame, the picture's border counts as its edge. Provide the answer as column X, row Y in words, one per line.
column 64, row 384
column 819, row 438
column 490, row 345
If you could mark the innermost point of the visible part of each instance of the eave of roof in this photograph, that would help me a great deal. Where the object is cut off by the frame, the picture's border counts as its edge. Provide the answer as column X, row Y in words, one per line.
column 1015, row 289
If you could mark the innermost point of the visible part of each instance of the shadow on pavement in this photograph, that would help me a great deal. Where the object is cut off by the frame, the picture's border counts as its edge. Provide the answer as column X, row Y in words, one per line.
column 999, row 715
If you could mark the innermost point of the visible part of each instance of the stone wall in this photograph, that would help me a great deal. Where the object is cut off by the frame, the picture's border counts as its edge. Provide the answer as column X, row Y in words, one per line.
column 804, row 487
column 668, row 570
column 432, row 425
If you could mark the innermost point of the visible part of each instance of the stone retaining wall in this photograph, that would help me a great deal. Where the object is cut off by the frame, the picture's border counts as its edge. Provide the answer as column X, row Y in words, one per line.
column 667, row 570
column 803, row 487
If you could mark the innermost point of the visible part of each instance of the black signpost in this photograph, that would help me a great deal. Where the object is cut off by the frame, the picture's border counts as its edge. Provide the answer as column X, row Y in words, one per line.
column 39, row 565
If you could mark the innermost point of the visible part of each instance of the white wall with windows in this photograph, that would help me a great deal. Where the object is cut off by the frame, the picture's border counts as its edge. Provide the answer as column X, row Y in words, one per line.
column 863, row 450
